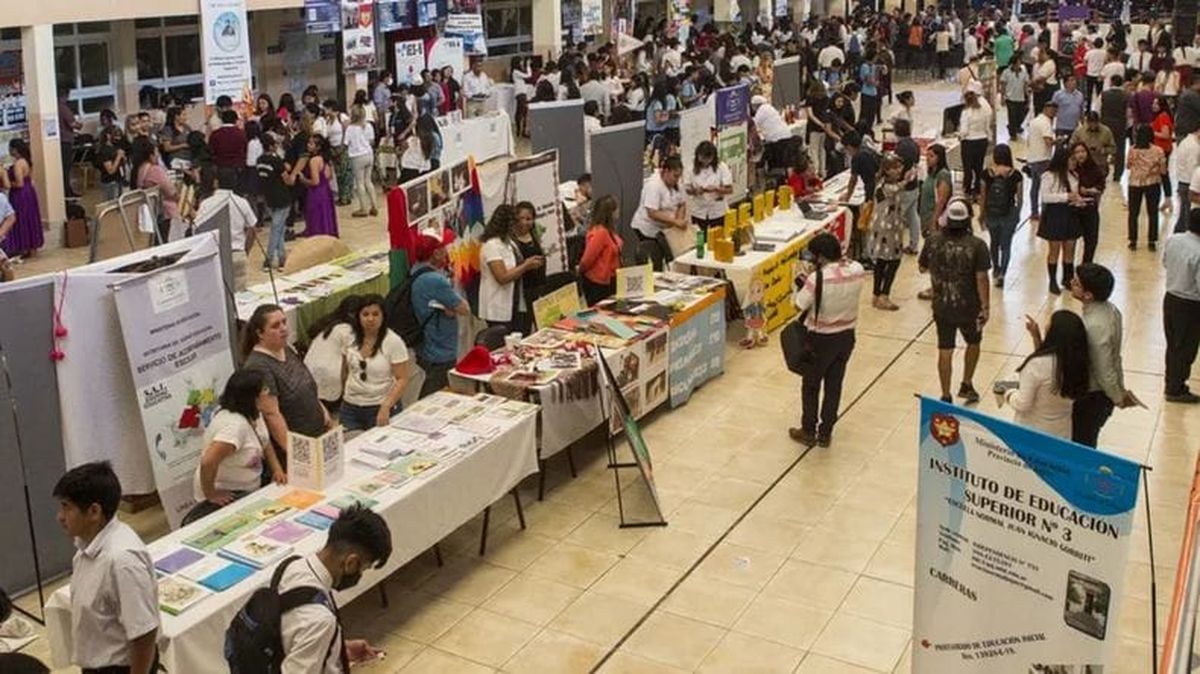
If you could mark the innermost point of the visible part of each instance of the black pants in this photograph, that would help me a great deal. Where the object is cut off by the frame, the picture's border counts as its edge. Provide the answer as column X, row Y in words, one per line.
column 884, row 274
column 437, row 376
column 1016, row 117
column 869, row 110
column 204, row 508
column 656, row 250
column 1089, row 226
column 67, row 152
column 1119, row 136
column 1185, row 207
column 121, row 669
column 973, row 154
column 1181, row 323
column 1088, row 415
column 1149, row 194
column 1093, row 89
column 828, row 371
column 594, row 292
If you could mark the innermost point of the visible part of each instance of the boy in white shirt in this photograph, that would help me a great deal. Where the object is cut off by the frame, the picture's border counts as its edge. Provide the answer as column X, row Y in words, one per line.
column 114, row 594
column 241, row 218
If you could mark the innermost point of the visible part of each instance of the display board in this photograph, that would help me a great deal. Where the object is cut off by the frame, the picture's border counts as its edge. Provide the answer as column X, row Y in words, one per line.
column 697, row 351
column 535, row 179
column 617, row 154
column 410, row 60
column 358, row 35
column 225, row 49
column 786, row 85
column 558, row 125
column 695, row 126
column 1022, row 543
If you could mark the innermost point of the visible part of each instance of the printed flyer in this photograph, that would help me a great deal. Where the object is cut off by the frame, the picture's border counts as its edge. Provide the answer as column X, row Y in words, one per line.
column 226, row 49
column 1022, row 541
column 177, row 337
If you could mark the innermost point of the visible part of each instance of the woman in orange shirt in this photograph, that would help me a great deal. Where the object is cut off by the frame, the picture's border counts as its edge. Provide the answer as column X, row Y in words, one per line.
column 1164, row 137
column 601, row 253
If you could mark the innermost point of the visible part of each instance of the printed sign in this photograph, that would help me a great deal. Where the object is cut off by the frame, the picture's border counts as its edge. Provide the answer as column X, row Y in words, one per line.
column 469, row 27
column 225, row 49
column 635, row 281
column 322, row 16
column 733, row 105
column 358, row 35
column 410, row 60
column 553, row 307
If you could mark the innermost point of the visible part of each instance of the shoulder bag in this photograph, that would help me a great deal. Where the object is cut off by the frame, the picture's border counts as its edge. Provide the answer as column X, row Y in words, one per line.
column 796, row 339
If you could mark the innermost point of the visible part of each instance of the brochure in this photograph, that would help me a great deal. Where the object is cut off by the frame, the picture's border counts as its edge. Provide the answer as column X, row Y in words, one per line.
column 176, row 595
column 218, row 574
column 179, row 559
column 285, row 531
column 256, row 551
column 221, row 533
column 415, row 465
column 300, row 498
column 315, row 520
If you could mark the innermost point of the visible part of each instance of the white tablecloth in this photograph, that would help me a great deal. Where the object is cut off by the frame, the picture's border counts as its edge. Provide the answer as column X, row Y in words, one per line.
column 741, row 270
column 419, row 514
column 486, row 137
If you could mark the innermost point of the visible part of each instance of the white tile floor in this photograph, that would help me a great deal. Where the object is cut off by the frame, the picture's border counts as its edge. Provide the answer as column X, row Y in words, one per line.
column 771, row 562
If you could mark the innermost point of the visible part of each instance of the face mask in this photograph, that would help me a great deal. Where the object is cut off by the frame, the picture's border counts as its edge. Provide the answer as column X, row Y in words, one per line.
column 348, row 580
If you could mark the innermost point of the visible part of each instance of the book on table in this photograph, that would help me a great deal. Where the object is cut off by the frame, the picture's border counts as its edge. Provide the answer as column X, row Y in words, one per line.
column 255, row 551
column 176, row 595
column 217, row 574
column 177, row 560
column 316, row 520
column 285, row 531
column 221, row 533
column 301, row 498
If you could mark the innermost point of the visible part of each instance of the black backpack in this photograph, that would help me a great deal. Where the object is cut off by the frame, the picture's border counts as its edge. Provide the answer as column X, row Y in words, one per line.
column 402, row 316
column 1000, row 193
column 253, row 641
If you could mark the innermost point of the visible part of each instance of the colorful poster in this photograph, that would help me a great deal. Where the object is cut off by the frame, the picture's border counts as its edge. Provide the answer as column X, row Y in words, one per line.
column 447, row 51
column 535, row 179
column 697, row 350
column 427, row 12
column 225, row 49
column 395, row 15
column 553, row 307
column 176, row 334
column 12, row 93
column 410, row 60
column 358, row 35
column 733, row 105
column 1022, row 541
column 732, row 148
column 680, row 12
column 322, row 16
column 469, row 27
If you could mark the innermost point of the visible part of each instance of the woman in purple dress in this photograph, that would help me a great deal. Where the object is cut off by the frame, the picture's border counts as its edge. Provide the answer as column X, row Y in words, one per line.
column 320, row 216
column 25, row 237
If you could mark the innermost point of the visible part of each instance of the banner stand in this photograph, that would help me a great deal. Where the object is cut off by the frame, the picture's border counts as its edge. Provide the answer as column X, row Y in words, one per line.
column 1153, row 582
column 37, row 562
column 614, row 463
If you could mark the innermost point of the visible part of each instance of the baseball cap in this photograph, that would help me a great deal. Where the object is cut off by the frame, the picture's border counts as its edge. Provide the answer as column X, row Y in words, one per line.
column 958, row 214
column 758, row 100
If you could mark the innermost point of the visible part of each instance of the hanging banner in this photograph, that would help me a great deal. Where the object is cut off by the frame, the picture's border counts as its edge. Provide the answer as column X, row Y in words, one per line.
column 468, row 27
column 410, row 60
column 322, row 16
column 447, row 51
column 535, row 179
column 591, row 16
column 427, row 12
column 225, row 49
column 395, row 15
column 733, row 105
column 623, row 12
column 176, row 335
column 680, row 12
column 732, row 148
column 358, row 35
column 1022, row 540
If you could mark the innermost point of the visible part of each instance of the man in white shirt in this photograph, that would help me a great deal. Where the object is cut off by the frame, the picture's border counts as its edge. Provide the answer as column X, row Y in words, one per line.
column 241, row 218
column 477, row 88
column 591, row 124
column 663, row 206
column 596, row 89
column 1187, row 160
column 1181, row 309
column 311, row 634
column 828, row 55
column 1037, row 156
column 671, row 58
column 774, row 132
column 1095, row 59
column 1112, row 67
column 114, row 592
column 1139, row 61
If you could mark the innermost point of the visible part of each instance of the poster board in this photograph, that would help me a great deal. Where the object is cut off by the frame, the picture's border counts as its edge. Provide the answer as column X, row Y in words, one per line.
column 358, row 35
column 555, row 306
column 535, row 179
column 786, row 85
column 469, row 28
column 617, row 156
column 695, row 126
column 410, row 60
column 558, row 125
column 1022, row 543
column 322, row 16
column 623, row 417
column 225, row 49
column 392, row 15
column 733, row 147
column 446, row 51
column 635, row 281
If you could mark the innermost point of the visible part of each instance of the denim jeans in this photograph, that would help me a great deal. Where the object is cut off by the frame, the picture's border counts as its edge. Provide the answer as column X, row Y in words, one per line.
column 1036, row 169
column 1000, row 231
column 361, row 417
column 275, row 249
column 909, row 214
column 111, row 190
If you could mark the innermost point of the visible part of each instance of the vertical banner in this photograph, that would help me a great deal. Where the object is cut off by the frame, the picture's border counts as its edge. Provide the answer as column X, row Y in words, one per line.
column 591, row 17
column 176, row 335
column 622, row 18
column 410, row 60
column 392, row 15
column 697, row 350
column 447, row 51
column 680, row 13
column 358, row 35
column 535, row 179
column 225, row 49
column 469, row 28
column 695, row 127
column 1022, row 540
column 733, row 105
column 322, row 16
column 732, row 148
column 1179, row 635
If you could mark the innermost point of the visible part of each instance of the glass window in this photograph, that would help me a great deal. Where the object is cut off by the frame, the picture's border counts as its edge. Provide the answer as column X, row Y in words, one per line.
column 93, row 65
column 64, row 66
column 525, row 20
column 10, row 33
column 191, row 20
column 149, row 58
column 183, row 55
column 92, row 27
column 64, row 29
column 501, row 22
column 147, row 23
column 188, row 92
column 93, row 106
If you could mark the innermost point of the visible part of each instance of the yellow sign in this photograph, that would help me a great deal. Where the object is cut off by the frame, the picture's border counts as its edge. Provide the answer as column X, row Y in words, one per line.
column 635, row 281
column 550, row 309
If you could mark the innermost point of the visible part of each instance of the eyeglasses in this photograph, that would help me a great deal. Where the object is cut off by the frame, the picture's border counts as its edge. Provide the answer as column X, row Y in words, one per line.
column 362, row 373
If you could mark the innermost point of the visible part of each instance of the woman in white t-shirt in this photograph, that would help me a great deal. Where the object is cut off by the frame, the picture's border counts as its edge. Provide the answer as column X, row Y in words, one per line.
column 375, row 371
column 232, row 461
column 501, row 302
column 1053, row 376
column 327, row 339
column 708, row 182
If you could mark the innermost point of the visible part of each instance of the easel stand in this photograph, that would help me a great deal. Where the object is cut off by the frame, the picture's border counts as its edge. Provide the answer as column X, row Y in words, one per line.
column 37, row 564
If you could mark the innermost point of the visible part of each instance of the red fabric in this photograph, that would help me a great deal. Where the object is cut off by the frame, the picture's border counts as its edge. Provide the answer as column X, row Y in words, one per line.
column 400, row 235
column 803, row 186
column 477, row 361
column 1160, row 123
column 228, row 147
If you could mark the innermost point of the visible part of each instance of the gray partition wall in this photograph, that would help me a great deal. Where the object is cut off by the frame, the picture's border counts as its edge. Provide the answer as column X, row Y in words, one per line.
column 786, row 87
column 26, row 338
column 558, row 125
column 617, row 169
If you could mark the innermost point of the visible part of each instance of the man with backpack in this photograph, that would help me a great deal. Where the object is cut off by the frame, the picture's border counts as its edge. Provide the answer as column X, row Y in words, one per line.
column 436, row 307
column 293, row 626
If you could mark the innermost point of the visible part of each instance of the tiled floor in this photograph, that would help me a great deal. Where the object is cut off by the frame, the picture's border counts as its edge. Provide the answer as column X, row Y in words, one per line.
column 773, row 560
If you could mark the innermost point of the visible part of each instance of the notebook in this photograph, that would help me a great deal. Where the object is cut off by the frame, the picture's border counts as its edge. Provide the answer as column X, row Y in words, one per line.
column 315, row 520
column 255, row 551
column 176, row 595
column 285, row 531
column 218, row 574
column 179, row 559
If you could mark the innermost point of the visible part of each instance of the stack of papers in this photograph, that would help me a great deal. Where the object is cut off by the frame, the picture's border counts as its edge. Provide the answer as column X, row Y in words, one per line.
column 255, row 551
column 221, row 533
column 386, row 442
column 176, row 595
column 217, row 574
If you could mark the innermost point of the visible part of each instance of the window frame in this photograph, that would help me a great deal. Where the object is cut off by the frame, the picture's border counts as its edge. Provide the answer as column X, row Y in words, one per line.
column 510, row 45
column 168, row 81
column 78, row 93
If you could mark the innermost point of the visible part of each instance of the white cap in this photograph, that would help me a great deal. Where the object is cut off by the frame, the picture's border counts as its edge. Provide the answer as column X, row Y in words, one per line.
column 758, row 99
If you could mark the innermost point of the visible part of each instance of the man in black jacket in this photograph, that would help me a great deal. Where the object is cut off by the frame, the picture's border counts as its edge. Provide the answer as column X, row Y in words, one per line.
column 1114, row 105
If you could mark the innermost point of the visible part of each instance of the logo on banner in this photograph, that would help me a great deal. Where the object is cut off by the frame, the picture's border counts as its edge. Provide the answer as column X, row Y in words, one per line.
column 733, row 105
column 154, row 395
column 944, row 429
column 227, row 30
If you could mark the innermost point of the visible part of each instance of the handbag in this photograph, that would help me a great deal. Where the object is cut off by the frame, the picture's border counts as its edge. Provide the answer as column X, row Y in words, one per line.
column 796, row 339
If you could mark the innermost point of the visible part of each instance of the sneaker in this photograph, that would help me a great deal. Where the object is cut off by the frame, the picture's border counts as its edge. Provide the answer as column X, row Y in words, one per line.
column 968, row 393
column 806, row 438
column 1187, row 397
